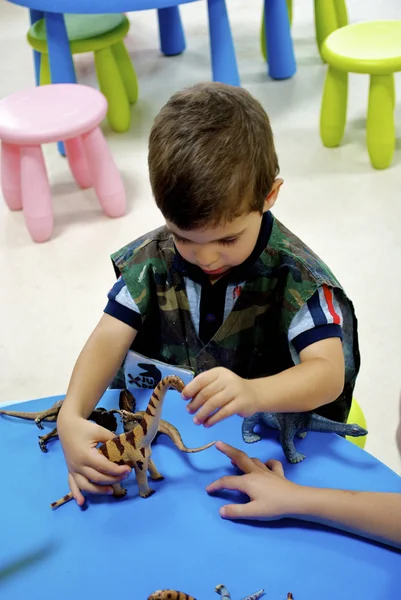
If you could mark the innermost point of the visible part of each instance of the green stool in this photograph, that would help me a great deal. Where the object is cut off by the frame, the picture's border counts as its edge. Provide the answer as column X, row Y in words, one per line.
column 103, row 35
column 373, row 48
column 329, row 16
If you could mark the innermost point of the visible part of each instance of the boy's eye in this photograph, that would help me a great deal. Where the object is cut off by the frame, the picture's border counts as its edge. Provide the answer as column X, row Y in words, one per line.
column 179, row 239
column 229, row 242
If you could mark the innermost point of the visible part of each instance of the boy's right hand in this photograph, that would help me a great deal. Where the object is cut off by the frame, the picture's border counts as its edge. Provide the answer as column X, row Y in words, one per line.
column 88, row 470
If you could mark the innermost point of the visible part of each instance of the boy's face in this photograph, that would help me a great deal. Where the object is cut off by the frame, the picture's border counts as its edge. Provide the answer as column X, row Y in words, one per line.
column 219, row 249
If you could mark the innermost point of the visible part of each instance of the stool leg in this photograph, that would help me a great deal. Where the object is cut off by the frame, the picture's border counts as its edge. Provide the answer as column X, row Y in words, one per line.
column 380, row 133
column 104, row 173
column 325, row 20
column 36, row 196
column 60, row 58
column 112, row 86
column 127, row 71
column 36, row 15
column 280, row 49
column 222, row 50
column 263, row 41
column 45, row 78
column 341, row 12
column 333, row 112
column 78, row 163
column 11, row 175
column 172, row 38
column 393, row 92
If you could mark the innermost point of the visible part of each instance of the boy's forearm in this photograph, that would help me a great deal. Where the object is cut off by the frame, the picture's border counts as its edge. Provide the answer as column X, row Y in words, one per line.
column 371, row 514
column 301, row 388
column 96, row 366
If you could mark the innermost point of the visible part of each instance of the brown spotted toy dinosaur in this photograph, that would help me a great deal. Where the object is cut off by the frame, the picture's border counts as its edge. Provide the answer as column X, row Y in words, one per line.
column 100, row 416
column 130, row 419
column 49, row 414
column 133, row 448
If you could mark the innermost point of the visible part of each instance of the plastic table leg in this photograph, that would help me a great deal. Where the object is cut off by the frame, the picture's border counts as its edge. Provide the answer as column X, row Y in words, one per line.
column 172, row 38
column 222, row 50
column 280, row 49
column 36, row 15
column 60, row 58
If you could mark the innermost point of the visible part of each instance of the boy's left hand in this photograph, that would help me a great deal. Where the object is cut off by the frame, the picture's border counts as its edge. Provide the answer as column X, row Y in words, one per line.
column 218, row 394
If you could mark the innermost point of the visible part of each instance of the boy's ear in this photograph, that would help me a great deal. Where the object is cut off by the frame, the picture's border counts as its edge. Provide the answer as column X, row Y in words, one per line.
column 270, row 200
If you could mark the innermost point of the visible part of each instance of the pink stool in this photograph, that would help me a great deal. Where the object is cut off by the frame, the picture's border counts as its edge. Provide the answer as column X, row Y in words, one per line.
column 59, row 112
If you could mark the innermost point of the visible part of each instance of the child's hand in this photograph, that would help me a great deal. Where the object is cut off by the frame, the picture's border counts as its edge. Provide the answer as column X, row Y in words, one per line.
column 222, row 392
column 88, row 470
column 271, row 495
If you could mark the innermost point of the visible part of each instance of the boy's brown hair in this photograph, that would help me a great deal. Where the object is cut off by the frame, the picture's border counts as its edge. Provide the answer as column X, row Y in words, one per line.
column 211, row 156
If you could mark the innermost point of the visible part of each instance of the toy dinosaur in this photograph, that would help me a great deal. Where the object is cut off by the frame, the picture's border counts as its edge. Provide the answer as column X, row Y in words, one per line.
column 169, row 595
column 127, row 401
column 296, row 424
column 100, row 416
column 49, row 414
column 220, row 589
column 130, row 420
column 134, row 447
column 225, row 594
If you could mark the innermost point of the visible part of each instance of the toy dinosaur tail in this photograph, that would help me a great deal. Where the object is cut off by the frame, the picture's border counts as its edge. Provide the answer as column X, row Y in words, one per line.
column 62, row 501
column 175, row 436
column 255, row 596
column 20, row 415
column 319, row 423
column 154, row 410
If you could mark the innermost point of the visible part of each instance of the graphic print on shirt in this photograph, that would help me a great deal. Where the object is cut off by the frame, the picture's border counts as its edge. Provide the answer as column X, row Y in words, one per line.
column 237, row 292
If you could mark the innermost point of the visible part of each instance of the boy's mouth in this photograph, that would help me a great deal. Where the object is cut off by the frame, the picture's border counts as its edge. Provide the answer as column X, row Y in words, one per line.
column 215, row 272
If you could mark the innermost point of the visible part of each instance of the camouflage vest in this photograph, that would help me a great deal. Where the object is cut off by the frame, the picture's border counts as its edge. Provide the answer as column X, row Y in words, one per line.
column 252, row 341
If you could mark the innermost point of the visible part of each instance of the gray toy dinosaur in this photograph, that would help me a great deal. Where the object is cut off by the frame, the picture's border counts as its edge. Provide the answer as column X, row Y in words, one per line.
column 296, row 424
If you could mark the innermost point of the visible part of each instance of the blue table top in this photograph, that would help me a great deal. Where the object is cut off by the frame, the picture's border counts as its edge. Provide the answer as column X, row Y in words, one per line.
column 96, row 6
column 176, row 538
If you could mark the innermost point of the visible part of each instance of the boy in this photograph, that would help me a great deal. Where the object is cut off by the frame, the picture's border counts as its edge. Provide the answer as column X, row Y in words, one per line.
column 223, row 288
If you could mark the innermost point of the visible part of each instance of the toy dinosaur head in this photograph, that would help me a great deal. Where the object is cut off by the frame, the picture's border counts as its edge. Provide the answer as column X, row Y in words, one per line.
column 357, row 431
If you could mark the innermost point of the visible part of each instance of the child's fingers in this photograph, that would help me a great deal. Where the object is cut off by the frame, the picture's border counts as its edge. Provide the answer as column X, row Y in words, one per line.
column 225, row 410
column 198, row 383
column 87, row 486
column 239, row 511
column 75, row 491
column 229, row 482
column 100, row 463
column 276, row 467
column 99, row 478
column 239, row 458
column 214, row 410
column 204, row 396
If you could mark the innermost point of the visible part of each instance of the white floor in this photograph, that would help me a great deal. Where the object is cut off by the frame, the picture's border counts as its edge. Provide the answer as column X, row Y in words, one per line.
column 52, row 295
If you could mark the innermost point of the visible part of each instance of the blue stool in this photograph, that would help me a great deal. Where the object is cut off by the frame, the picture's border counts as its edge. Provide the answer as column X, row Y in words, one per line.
column 278, row 40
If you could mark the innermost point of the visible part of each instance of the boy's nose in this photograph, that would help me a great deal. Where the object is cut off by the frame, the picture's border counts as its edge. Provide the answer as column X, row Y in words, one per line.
column 205, row 258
